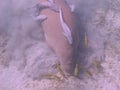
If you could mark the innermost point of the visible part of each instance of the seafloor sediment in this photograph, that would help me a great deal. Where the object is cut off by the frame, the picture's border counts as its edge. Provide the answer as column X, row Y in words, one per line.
column 25, row 57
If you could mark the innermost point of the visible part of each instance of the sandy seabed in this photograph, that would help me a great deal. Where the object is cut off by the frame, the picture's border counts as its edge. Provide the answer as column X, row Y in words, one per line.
column 25, row 56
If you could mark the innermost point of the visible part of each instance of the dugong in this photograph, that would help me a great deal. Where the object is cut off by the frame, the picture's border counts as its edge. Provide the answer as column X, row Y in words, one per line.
column 61, row 34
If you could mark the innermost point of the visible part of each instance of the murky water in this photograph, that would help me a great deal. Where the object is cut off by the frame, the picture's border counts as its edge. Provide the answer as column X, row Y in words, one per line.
column 24, row 54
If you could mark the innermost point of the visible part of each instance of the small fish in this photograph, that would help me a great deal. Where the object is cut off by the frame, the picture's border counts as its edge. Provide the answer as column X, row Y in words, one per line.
column 51, row 76
column 76, row 70
column 86, row 40
column 60, row 70
column 85, row 69
column 89, row 73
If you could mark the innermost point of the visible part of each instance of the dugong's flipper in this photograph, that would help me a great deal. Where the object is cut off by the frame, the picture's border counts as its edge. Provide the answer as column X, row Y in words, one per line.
column 36, row 9
column 40, row 18
column 44, row 5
